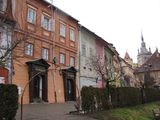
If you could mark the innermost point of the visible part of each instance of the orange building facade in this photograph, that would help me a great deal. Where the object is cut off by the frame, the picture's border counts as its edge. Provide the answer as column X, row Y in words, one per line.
column 45, row 60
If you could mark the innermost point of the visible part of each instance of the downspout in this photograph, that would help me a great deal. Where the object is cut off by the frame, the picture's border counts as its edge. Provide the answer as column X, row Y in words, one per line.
column 79, row 64
column 79, row 55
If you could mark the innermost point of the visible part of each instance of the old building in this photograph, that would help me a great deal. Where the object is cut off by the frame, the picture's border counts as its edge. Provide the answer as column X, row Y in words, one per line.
column 127, row 69
column 98, row 60
column 128, row 78
column 47, row 55
column 7, row 25
column 87, row 50
column 116, row 67
column 148, row 74
column 144, row 54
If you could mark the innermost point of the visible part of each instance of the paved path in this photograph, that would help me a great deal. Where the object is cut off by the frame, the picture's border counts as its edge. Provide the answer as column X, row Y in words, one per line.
column 50, row 112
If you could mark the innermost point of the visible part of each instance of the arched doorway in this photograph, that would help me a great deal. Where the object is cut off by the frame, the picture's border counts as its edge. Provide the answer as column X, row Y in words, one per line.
column 38, row 86
column 69, row 79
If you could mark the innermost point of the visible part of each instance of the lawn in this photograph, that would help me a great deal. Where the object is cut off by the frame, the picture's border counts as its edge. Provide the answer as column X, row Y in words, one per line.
column 140, row 112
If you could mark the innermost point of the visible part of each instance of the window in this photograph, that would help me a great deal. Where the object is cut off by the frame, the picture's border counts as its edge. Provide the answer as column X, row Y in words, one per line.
column 62, row 58
column 0, row 37
column 29, row 49
column 45, row 54
column 91, row 52
column 62, row 30
column 46, row 22
column 31, row 17
column 72, row 35
column 83, row 49
column 72, row 61
column 1, row 5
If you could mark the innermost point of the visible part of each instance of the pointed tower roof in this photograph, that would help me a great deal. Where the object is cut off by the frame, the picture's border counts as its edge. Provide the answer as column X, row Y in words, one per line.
column 126, row 56
column 143, row 49
column 128, row 59
column 142, row 37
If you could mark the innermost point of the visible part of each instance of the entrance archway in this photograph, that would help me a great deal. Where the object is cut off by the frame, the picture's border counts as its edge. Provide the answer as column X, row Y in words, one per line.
column 69, row 79
column 38, row 87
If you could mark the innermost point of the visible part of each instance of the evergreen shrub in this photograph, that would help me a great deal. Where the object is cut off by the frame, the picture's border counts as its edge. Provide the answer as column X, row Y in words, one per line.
column 94, row 99
column 152, row 94
column 8, row 101
column 128, row 96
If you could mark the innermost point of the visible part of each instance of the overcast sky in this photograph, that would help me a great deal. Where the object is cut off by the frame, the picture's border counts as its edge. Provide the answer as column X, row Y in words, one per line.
column 118, row 21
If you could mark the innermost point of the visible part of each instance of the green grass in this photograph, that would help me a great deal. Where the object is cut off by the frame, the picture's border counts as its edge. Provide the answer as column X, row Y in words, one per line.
column 140, row 112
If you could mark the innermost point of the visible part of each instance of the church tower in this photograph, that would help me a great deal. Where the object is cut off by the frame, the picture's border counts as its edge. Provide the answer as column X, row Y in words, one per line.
column 144, row 54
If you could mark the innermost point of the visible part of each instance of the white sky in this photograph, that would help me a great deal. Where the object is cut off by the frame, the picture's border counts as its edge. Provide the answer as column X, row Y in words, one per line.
column 118, row 21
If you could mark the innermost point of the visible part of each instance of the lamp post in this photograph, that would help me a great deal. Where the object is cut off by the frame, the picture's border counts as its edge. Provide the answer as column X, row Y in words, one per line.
column 26, row 85
column 32, row 78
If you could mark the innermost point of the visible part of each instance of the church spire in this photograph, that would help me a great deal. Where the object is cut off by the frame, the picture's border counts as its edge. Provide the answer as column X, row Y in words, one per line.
column 143, row 53
column 142, row 37
column 143, row 45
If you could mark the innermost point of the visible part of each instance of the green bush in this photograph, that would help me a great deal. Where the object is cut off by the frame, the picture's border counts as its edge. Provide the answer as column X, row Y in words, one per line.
column 152, row 94
column 87, row 94
column 114, row 96
column 94, row 99
column 8, row 101
column 128, row 96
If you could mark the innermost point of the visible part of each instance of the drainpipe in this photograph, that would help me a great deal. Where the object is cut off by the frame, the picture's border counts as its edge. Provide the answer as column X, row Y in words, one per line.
column 53, row 48
column 79, row 54
column 79, row 64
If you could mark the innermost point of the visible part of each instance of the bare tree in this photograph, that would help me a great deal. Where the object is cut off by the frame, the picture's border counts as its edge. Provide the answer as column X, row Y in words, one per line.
column 8, row 45
column 100, row 66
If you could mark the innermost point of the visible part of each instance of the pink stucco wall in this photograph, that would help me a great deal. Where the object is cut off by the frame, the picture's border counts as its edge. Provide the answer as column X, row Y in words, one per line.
column 100, row 53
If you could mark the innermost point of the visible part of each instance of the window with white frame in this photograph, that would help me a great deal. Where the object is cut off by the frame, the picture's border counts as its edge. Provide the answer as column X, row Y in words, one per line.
column 62, row 58
column 62, row 30
column 0, row 37
column 1, row 5
column 83, row 49
column 29, row 49
column 45, row 53
column 46, row 22
column 31, row 17
column 72, row 34
column 91, row 52
column 72, row 61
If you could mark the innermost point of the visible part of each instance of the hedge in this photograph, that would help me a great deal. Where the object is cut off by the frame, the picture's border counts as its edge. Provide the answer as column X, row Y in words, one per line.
column 8, row 101
column 151, row 94
column 128, row 96
column 94, row 99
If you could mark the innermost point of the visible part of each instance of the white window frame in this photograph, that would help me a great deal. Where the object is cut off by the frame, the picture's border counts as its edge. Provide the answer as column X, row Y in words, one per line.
column 62, row 58
column 91, row 52
column 1, row 37
column 83, row 49
column 46, row 22
column 31, row 15
column 3, row 5
column 72, row 34
column 45, row 53
column 62, row 30
column 29, row 49
column 72, row 61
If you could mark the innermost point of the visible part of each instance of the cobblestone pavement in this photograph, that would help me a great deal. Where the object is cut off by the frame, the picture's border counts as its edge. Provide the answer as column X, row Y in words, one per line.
column 50, row 112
